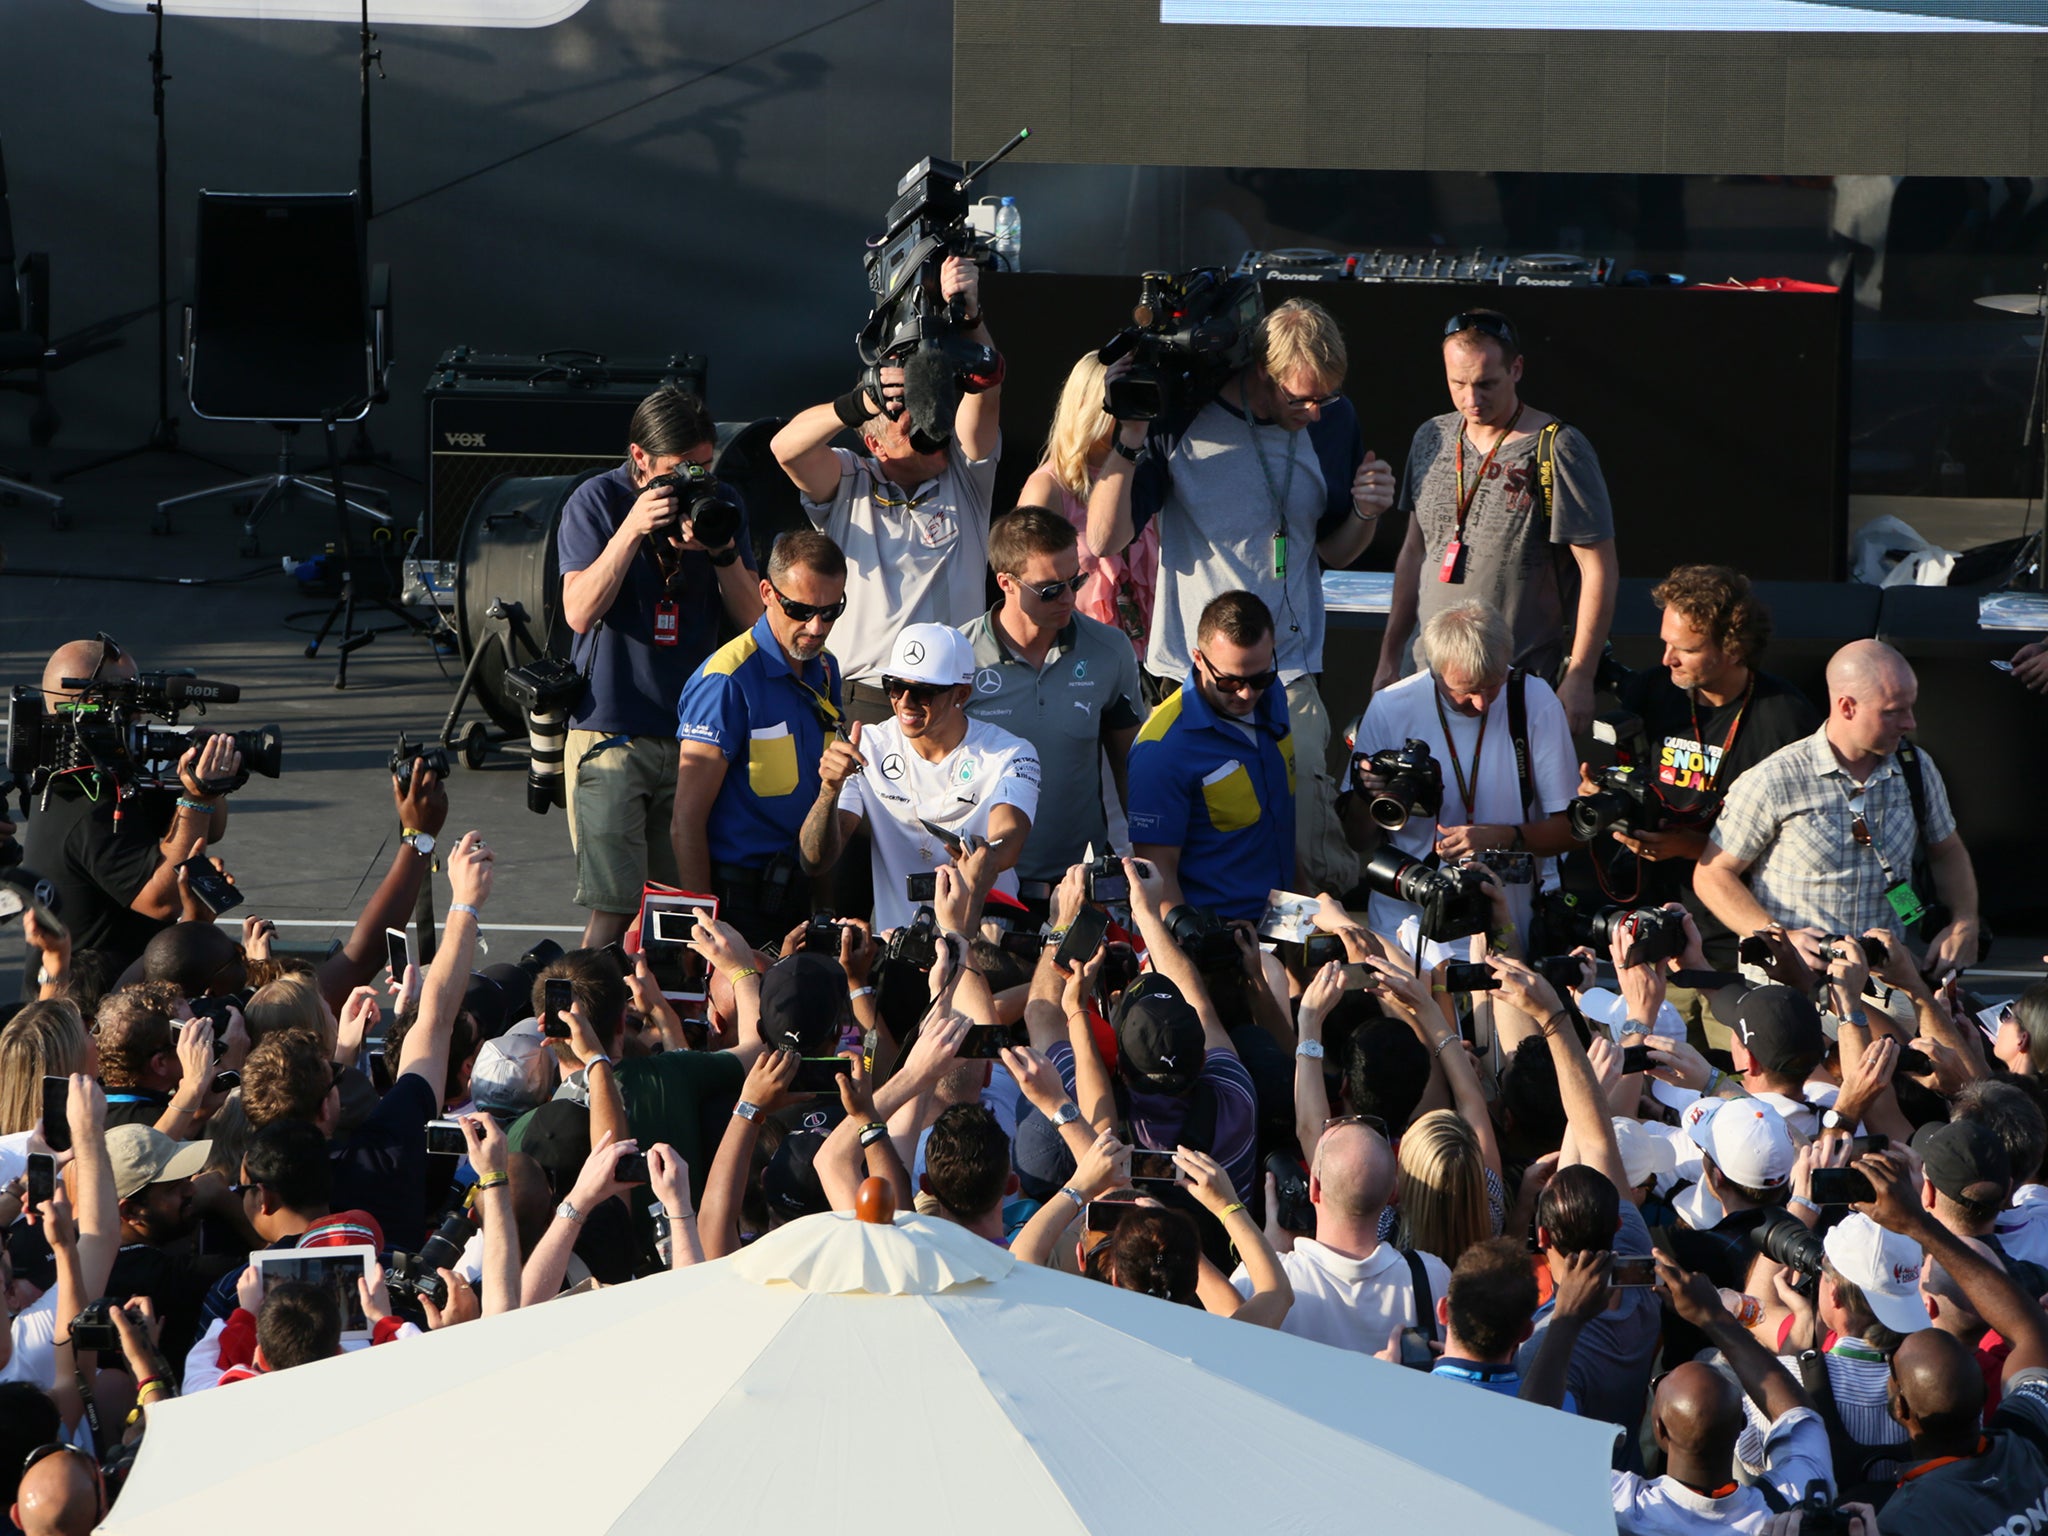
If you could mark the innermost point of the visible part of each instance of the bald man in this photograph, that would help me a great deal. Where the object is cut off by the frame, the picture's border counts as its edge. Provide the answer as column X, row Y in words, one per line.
column 1822, row 836
column 1350, row 1289
column 116, row 880
column 1697, row 1417
column 61, row 1495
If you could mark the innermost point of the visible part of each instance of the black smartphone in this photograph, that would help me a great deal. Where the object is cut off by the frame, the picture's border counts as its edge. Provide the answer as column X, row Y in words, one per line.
column 558, row 996
column 1841, row 1186
column 42, row 1178
column 922, row 886
column 210, row 886
column 1084, row 938
column 1631, row 1272
column 820, row 1074
column 1119, row 969
column 215, row 1011
column 631, row 1168
column 1470, row 976
column 226, row 1082
column 57, row 1113
column 1863, row 1146
column 985, row 1042
column 1635, row 1058
column 1104, row 1215
column 1317, row 951
column 1754, row 950
column 1150, row 1167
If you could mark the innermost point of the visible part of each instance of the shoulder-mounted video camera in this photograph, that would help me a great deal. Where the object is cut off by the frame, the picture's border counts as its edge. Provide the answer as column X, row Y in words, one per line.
column 912, row 326
column 109, row 728
column 1188, row 334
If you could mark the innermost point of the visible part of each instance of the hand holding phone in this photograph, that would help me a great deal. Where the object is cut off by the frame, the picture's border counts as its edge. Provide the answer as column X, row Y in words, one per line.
column 209, row 887
column 57, row 1113
column 1153, row 1167
column 42, row 1180
column 558, row 996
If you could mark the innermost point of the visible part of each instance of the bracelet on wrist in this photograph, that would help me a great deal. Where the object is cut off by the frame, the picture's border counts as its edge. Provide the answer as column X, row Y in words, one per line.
column 1124, row 449
column 740, row 974
column 871, row 1133
column 860, row 992
column 1446, row 1043
column 1232, row 1209
column 1073, row 1194
column 463, row 906
column 187, row 803
column 493, row 1181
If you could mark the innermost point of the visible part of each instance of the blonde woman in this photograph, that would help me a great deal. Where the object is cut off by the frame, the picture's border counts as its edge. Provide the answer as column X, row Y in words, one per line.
column 1119, row 587
column 1446, row 1205
column 45, row 1039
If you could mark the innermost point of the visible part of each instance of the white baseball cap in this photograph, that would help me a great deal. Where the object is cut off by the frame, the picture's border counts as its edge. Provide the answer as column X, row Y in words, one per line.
column 1748, row 1141
column 1884, row 1266
column 1645, row 1155
column 931, row 653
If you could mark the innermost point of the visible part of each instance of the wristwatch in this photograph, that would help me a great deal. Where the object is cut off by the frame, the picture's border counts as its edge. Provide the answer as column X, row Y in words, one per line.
column 724, row 557
column 1312, row 1049
column 1066, row 1114
column 421, row 843
column 567, row 1212
column 1832, row 1120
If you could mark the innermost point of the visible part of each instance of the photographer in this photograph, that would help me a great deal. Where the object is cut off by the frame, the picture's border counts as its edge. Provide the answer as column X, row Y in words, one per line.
column 1708, row 715
column 914, row 524
column 645, row 599
column 1256, row 491
column 116, row 877
column 1493, row 806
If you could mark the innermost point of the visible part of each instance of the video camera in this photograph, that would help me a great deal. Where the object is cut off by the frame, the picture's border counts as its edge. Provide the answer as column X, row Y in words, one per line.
column 1453, row 901
column 710, row 506
column 546, row 688
column 1189, row 333
column 912, row 326
column 107, row 729
column 1414, row 783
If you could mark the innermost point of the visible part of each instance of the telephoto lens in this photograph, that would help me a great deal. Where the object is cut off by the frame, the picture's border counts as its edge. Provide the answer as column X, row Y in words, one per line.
column 547, row 688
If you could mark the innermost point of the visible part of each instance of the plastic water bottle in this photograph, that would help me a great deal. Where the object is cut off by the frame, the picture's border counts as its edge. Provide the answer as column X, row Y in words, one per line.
column 1008, row 243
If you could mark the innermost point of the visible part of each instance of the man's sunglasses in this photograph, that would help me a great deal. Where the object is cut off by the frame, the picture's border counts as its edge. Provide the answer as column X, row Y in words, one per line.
column 109, row 651
column 803, row 613
column 1255, row 682
column 1049, row 592
column 1288, row 397
column 57, row 1448
column 1486, row 323
column 920, row 693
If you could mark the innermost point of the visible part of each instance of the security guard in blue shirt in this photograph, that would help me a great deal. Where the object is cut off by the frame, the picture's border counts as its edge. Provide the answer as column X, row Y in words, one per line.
column 769, row 700
column 1212, row 771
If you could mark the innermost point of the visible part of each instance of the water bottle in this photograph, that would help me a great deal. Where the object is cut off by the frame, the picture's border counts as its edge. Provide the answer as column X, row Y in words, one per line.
column 1008, row 243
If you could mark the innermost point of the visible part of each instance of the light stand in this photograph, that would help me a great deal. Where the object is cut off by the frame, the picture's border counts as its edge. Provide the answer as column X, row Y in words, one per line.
column 163, row 436
column 361, row 449
column 2035, row 439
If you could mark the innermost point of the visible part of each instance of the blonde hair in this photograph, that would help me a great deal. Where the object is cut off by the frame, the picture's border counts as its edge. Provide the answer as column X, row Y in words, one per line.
column 1443, row 1187
column 1302, row 334
column 1470, row 637
column 45, row 1039
column 290, row 1002
column 1080, row 426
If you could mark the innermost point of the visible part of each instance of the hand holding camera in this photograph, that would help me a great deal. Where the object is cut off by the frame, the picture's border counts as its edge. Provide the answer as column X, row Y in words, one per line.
column 655, row 511
column 489, row 1151
column 210, row 769
column 469, row 871
column 420, row 790
column 1105, row 1166
column 601, row 1177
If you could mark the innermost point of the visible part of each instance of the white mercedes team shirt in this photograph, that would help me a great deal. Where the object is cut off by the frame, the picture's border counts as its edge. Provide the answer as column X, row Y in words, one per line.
column 989, row 768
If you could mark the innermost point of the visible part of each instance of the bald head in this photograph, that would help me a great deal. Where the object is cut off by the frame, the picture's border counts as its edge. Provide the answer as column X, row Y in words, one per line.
column 1356, row 1170
column 82, row 658
column 1871, row 693
column 1940, row 1389
column 195, row 958
column 59, row 1496
column 1699, row 1413
column 1863, row 665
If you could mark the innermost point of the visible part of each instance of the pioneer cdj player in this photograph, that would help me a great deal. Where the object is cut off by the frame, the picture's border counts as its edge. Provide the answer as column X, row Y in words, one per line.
column 1303, row 264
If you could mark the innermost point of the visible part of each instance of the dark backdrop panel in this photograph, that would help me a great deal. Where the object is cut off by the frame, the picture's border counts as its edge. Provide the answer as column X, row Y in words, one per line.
column 1719, row 418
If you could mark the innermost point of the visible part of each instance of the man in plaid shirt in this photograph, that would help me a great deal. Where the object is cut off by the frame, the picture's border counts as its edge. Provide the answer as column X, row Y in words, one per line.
column 1821, row 836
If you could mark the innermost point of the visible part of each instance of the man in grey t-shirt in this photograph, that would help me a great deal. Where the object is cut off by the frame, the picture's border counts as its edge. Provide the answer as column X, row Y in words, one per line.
column 1480, row 526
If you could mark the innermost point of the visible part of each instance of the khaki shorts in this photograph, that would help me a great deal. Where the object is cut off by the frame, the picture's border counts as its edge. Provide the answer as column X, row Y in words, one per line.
column 620, row 802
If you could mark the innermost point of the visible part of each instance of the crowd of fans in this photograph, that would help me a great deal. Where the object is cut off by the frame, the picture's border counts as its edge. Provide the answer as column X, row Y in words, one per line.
column 1690, row 1126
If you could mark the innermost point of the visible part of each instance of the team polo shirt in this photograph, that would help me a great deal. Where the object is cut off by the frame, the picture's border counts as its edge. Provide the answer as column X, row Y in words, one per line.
column 1222, row 791
column 989, row 768
column 1087, row 689
column 746, row 702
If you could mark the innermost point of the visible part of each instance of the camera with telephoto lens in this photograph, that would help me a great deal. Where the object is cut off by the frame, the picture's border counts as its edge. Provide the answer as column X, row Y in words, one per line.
column 1565, row 973
column 1648, row 934
column 1836, row 946
column 916, row 943
column 1413, row 783
column 710, row 506
column 913, row 325
column 109, row 728
column 1188, row 334
column 546, row 688
column 1453, row 901
column 1785, row 1239
column 418, row 1274
column 1205, row 939
column 429, row 755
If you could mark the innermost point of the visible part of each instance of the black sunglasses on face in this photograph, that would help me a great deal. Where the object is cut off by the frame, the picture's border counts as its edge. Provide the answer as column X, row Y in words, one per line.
column 1485, row 322
column 803, row 613
column 1255, row 682
column 1321, row 402
column 1049, row 592
column 920, row 693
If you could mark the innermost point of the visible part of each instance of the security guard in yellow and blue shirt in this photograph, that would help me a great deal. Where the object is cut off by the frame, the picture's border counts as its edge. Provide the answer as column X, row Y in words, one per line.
column 1212, row 770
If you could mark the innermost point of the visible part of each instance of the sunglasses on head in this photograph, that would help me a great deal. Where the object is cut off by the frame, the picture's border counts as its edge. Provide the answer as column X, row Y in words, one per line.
column 1486, row 323
column 56, row 1448
column 919, row 693
column 1050, row 591
column 1254, row 682
column 109, row 651
column 803, row 613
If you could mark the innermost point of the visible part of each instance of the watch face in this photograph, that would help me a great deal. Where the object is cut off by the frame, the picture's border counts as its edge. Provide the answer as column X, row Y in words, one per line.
column 423, row 842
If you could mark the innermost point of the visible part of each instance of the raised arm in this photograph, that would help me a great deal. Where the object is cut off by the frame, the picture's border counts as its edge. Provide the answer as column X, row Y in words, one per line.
column 1147, row 891
column 488, row 1154
column 427, row 1042
column 1311, row 1093
column 725, row 1187
column 1585, row 1107
column 822, row 838
column 1272, row 1292
column 422, row 808
column 541, row 1280
column 1766, row 1381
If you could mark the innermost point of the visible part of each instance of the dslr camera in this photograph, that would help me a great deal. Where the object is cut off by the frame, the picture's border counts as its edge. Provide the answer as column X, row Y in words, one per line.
column 546, row 688
column 1648, row 934
column 1453, row 901
column 1205, row 939
column 1104, row 880
column 710, row 506
column 1565, row 973
column 1414, row 783
column 416, row 1274
column 1840, row 946
column 109, row 728
column 1623, row 803
column 916, row 943
column 429, row 755
column 1188, row 334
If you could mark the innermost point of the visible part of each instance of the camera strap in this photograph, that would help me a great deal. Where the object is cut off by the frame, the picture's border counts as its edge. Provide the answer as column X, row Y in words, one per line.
column 1425, row 1296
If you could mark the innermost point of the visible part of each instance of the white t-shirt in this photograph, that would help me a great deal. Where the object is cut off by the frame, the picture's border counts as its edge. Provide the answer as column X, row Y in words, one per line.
column 1351, row 1303
column 1408, row 709
column 912, row 557
column 989, row 768
column 2023, row 1230
column 1796, row 1453
column 35, row 1344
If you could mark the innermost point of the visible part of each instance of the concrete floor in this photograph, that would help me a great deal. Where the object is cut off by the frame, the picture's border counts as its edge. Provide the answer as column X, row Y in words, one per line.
column 307, row 847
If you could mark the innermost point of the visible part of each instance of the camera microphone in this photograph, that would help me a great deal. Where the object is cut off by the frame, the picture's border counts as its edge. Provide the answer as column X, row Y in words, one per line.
column 183, row 688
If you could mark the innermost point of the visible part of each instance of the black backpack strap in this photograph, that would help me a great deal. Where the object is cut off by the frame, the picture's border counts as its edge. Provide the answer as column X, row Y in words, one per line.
column 1425, row 1295
column 1518, row 735
column 1916, row 787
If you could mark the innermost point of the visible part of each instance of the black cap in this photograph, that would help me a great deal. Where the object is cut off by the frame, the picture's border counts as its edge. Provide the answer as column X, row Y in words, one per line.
column 1965, row 1160
column 790, row 1181
column 558, row 1138
column 803, row 998
column 1158, row 1037
column 496, row 998
column 1780, row 1028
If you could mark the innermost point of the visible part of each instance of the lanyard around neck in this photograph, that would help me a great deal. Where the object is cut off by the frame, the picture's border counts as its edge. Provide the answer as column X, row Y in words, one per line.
column 1467, row 497
column 1466, row 792
column 1727, row 746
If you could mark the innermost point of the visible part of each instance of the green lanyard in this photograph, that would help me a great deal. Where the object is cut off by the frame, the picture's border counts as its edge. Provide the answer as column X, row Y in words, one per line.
column 1279, row 495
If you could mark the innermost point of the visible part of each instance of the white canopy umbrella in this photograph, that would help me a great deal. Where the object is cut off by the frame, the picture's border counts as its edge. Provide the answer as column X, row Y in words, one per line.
column 856, row 1377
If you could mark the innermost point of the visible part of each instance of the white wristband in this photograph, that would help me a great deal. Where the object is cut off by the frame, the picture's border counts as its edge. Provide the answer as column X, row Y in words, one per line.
column 463, row 906
column 860, row 992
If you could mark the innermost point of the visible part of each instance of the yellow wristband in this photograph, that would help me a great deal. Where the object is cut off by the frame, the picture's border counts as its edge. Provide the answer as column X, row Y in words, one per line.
column 1232, row 1210
column 741, row 974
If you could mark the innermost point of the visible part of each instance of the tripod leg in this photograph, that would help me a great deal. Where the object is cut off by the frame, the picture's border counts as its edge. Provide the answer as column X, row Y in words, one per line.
column 326, row 627
column 468, row 684
column 348, row 634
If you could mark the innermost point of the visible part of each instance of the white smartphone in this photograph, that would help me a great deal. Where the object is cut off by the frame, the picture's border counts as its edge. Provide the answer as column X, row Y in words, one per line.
column 399, row 951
